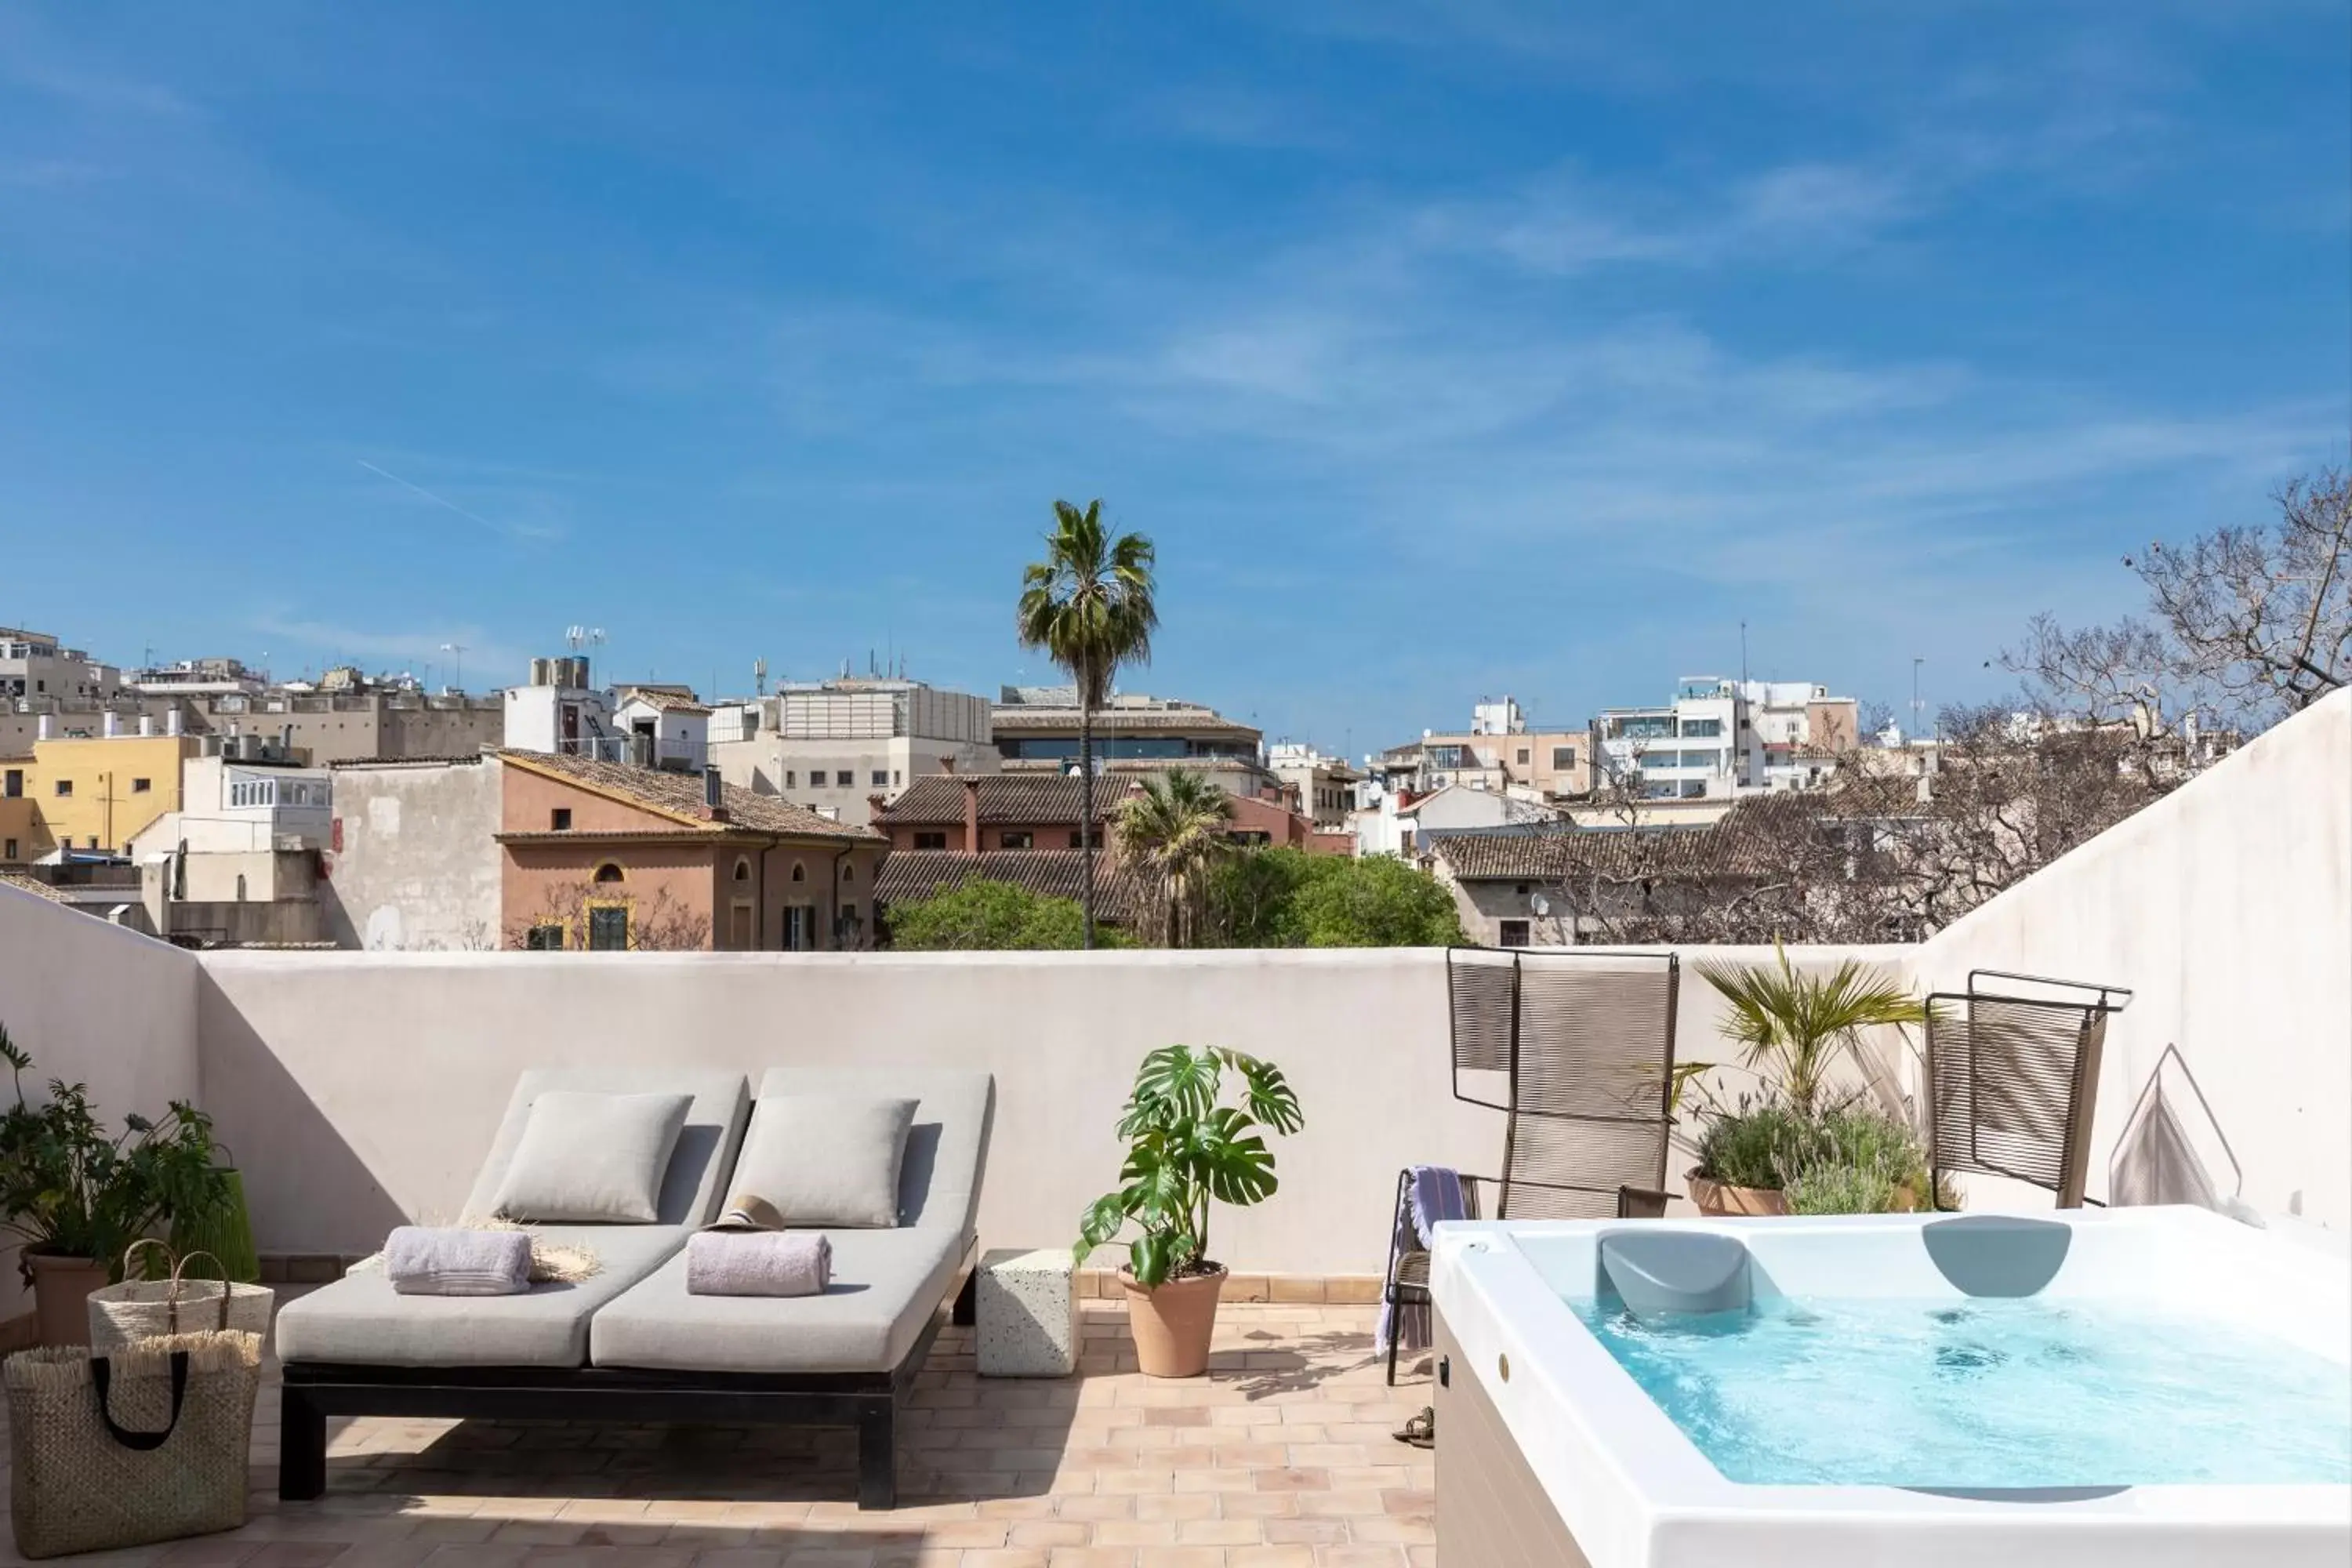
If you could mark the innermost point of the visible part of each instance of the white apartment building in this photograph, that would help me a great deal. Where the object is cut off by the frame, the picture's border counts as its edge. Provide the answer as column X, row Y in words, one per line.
column 558, row 712
column 44, row 676
column 832, row 746
column 1718, row 738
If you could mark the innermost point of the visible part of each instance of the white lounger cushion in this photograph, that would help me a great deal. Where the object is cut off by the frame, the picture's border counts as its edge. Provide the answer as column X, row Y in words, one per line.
column 592, row 1159
column 826, row 1159
column 698, row 1166
column 361, row 1320
column 886, row 1285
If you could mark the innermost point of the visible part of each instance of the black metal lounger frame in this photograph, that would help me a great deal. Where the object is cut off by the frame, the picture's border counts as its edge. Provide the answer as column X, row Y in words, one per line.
column 868, row 1401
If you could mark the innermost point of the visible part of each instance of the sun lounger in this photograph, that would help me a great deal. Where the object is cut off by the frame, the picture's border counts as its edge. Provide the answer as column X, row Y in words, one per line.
column 631, row 1344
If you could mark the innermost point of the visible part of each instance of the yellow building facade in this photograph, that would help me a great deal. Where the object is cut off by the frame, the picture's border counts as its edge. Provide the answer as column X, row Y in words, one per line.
column 95, row 793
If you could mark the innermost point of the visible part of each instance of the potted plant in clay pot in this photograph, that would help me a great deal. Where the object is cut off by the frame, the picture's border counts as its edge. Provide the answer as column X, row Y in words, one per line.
column 1186, row 1149
column 1794, row 1030
column 76, row 1198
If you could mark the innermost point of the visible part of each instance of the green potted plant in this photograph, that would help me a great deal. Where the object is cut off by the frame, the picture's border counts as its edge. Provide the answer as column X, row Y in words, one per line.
column 76, row 1198
column 1793, row 1028
column 1186, row 1149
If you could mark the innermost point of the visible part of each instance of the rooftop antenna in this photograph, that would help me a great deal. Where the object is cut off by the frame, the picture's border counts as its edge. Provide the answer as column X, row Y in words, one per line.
column 760, row 678
column 457, row 652
column 1743, row 658
column 1916, row 706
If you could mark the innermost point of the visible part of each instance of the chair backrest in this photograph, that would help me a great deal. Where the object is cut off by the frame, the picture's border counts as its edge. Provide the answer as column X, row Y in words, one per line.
column 1578, row 1045
column 2014, row 1079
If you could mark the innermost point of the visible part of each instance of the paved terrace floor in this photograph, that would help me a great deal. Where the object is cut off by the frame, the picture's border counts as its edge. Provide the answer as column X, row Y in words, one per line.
column 1281, row 1457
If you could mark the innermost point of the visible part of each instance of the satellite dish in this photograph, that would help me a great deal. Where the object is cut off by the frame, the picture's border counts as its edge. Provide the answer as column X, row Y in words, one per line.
column 1541, row 905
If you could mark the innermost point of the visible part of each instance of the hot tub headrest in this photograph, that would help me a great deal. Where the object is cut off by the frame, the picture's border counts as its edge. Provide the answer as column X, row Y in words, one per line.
column 1997, row 1254
column 1676, row 1271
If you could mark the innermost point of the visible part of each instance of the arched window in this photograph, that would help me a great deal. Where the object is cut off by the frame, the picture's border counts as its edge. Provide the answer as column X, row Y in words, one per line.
column 607, row 873
column 742, row 868
column 800, row 872
column 848, row 871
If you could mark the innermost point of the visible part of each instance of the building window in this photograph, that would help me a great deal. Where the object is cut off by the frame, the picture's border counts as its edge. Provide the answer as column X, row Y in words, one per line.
column 543, row 939
column 800, row 929
column 791, row 778
column 1523, row 756
column 8, row 851
column 800, row 872
column 559, row 819
column 881, row 778
column 1514, row 933
column 15, row 783
column 608, row 873
column 1521, row 889
column 844, row 778
column 140, row 786
column 1016, row 838
column 849, row 870
column 1077, row 839
column 1563, row 758
column 64, row 788
column 608, row 929
column 894, row 778
column 931, row 840
column 1703, row 728
column 743, row 869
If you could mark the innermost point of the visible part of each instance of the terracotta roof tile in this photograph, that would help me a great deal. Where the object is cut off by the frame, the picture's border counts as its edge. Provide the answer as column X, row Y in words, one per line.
column 679, row 797
column 1015, row 799
column 1056, row 873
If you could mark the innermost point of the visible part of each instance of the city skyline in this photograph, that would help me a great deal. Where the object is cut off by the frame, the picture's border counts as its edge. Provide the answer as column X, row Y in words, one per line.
column 1443, row 353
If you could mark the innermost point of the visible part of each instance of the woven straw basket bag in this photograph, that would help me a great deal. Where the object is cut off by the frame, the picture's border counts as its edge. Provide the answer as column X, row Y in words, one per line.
column 149, row 1443
column 137, row 1309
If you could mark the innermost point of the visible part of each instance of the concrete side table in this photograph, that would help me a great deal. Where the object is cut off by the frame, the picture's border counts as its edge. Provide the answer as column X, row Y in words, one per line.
column 1028, row 1313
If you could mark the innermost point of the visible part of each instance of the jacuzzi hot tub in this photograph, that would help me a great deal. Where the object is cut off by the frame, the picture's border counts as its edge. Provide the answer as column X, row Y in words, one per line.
column 2151, row 1387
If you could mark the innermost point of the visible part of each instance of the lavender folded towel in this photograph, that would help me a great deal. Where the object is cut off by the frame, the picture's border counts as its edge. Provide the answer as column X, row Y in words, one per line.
column 758, row 1263
column 427, row 1262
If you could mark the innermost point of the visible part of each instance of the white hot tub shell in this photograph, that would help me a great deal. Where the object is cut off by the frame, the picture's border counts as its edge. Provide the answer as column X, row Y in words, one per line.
column 1549, row 1452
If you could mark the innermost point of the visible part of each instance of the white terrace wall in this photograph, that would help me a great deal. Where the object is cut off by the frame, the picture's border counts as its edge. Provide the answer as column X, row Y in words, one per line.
column 95, row 1004
column 362, row 1089
column 2227, row 908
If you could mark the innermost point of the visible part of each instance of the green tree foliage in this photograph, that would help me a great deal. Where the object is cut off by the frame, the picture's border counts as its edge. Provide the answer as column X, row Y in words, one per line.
column 984, row 914
column 1287, row 898
column 1175, row 831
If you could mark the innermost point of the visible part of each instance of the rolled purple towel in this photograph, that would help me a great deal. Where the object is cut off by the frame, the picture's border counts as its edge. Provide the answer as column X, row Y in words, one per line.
column 758, row 1263
column 421, row 1261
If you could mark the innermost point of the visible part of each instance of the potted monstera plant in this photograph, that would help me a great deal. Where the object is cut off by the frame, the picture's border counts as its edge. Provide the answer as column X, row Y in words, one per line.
column 76, row 1198
column 1187, row 1149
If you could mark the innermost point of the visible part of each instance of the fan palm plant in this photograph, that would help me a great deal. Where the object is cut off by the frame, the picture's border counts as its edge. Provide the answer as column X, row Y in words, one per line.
column 1088, row 606
column 1798, row 1025
column 1176, row 827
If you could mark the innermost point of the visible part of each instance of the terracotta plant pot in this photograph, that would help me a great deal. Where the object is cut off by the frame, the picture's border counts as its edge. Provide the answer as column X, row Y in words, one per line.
column 1714, row 1197
column 61, row 1288
column 1172, row 1323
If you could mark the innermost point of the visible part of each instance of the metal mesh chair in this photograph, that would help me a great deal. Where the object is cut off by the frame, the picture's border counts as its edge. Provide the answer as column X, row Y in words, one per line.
column 2012, row 1079
column 1577, row 1048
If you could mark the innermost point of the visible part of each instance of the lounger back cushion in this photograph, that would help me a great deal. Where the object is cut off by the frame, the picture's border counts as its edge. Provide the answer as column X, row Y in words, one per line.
column 826, row 1159
column 716, row 1107
column 946, row 1144
column 590, row 1158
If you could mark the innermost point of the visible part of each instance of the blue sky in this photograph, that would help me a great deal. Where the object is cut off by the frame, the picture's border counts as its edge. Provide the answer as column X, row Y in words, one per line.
column 1444, row 350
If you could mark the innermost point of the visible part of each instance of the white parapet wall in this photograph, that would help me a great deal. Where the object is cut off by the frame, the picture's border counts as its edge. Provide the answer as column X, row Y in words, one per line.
column 2227, row 909
column 94, row 1004
column 362, row 1089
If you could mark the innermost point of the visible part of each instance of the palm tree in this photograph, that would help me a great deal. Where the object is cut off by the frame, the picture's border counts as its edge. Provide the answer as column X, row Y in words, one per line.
column 1801, row 1024
column 1088, row 607
column 1176, row 826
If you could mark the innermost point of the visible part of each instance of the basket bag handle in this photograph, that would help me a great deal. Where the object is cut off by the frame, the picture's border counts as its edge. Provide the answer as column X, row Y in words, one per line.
column 101, row 1373
column 179, row 1268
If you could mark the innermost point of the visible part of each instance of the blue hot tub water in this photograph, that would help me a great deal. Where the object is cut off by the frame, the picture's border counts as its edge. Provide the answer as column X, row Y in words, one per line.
column 1985, row 1393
